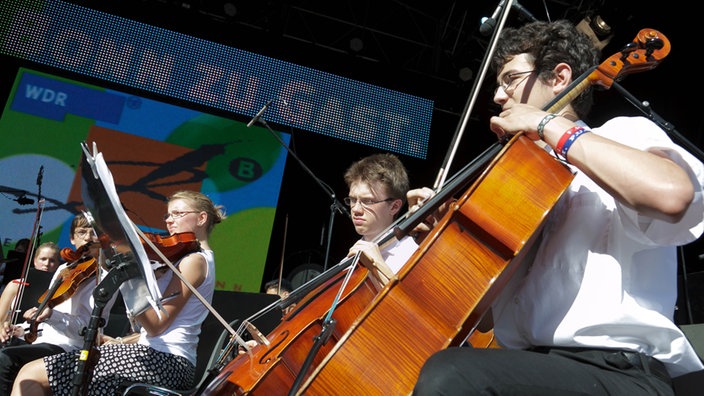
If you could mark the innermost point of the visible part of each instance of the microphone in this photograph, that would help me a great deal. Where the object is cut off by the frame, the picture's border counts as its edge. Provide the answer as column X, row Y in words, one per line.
column 488, row 24
column 260, row 113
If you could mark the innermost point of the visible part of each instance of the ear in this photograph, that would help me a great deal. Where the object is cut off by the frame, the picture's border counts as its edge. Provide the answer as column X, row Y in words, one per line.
column 396, row 206
column 563, row 77
column 202, row 218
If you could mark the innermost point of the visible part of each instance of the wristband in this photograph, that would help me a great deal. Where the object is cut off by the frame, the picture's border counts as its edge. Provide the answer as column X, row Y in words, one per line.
column 565, row 147
column 544, row 122
column 564, row 137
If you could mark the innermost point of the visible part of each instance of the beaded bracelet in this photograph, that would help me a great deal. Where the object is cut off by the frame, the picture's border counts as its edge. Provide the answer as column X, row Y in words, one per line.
column 563, row 146
column 544, row 122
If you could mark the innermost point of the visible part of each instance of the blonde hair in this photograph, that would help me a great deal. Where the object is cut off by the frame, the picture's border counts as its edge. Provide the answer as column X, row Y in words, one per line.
column 50, row 245
column 201, row 202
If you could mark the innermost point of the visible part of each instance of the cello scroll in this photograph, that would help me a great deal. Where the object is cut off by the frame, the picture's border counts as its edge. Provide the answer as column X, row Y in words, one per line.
column 644, row 53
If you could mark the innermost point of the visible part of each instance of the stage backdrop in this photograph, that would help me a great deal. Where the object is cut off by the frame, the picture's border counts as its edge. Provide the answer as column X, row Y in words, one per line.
column 152, row 150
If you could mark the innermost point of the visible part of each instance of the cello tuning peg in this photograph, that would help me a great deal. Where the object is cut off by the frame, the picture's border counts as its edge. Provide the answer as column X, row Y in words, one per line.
column 653, row 44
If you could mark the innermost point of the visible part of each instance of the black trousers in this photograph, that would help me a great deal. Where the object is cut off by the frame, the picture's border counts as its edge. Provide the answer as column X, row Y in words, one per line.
column 12, row 358
column 544, row 372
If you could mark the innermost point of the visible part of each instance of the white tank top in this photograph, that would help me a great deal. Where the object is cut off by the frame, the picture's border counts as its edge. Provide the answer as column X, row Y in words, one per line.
column 181, row 338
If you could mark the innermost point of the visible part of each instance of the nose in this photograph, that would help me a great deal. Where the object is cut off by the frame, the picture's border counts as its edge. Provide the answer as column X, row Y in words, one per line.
column 500, row 96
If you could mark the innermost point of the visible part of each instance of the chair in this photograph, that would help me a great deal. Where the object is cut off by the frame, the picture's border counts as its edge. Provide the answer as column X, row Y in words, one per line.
column 233, row 307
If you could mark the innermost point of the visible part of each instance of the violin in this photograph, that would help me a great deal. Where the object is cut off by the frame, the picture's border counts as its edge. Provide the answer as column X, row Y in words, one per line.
column 64, row 286
column 173, row 247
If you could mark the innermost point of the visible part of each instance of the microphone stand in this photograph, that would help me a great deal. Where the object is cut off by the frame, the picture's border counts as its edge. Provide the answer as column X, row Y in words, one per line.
column 123, row 269
column 648, row 112
column 336, row 206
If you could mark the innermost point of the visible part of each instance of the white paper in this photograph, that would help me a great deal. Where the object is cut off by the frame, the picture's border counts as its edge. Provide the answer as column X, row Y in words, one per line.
column 139, row 293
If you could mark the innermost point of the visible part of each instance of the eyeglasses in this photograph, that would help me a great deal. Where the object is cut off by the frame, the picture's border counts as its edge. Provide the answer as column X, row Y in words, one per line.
column 177, row 215
column 511, row 81
column 365, row 202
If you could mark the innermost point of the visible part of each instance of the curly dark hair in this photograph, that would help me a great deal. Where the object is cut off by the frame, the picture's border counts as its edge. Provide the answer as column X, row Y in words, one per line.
column 548, row 44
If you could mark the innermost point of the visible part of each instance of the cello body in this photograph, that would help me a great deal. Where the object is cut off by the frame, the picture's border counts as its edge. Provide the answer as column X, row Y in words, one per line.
column 440, row 296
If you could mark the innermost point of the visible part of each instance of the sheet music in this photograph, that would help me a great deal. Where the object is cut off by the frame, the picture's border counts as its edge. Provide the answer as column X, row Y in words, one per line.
column 101, row 198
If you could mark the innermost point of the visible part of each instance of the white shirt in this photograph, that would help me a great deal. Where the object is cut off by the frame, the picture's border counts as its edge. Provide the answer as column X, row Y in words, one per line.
column 604, row 276
column 181, row 337
column 397, row 254
column 70, row 317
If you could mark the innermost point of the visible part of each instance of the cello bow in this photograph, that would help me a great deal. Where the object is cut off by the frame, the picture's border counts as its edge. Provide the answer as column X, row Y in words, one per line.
column 449, row 284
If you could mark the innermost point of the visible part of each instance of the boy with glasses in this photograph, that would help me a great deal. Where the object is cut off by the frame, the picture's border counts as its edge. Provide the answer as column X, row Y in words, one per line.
column 377, row 192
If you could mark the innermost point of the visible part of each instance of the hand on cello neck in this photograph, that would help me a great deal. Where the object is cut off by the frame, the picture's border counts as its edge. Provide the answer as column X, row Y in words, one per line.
column 417, row 198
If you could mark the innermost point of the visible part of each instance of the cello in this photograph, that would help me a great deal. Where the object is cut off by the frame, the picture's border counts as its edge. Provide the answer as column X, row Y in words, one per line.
column 441, row 295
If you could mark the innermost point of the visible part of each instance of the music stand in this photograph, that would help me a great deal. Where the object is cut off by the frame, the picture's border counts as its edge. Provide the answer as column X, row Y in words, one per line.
column 100, row 197
column 36, row 284
column 130, row 270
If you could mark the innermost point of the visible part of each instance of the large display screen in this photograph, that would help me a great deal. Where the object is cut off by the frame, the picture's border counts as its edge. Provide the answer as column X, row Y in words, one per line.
column 152, row 150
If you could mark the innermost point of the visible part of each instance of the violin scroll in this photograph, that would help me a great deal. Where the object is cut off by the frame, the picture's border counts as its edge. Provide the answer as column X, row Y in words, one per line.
column 71, row 255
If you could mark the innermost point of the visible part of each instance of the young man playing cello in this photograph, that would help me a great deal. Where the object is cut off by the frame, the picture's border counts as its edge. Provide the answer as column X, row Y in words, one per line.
column 592, row 313
column 377, row 193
